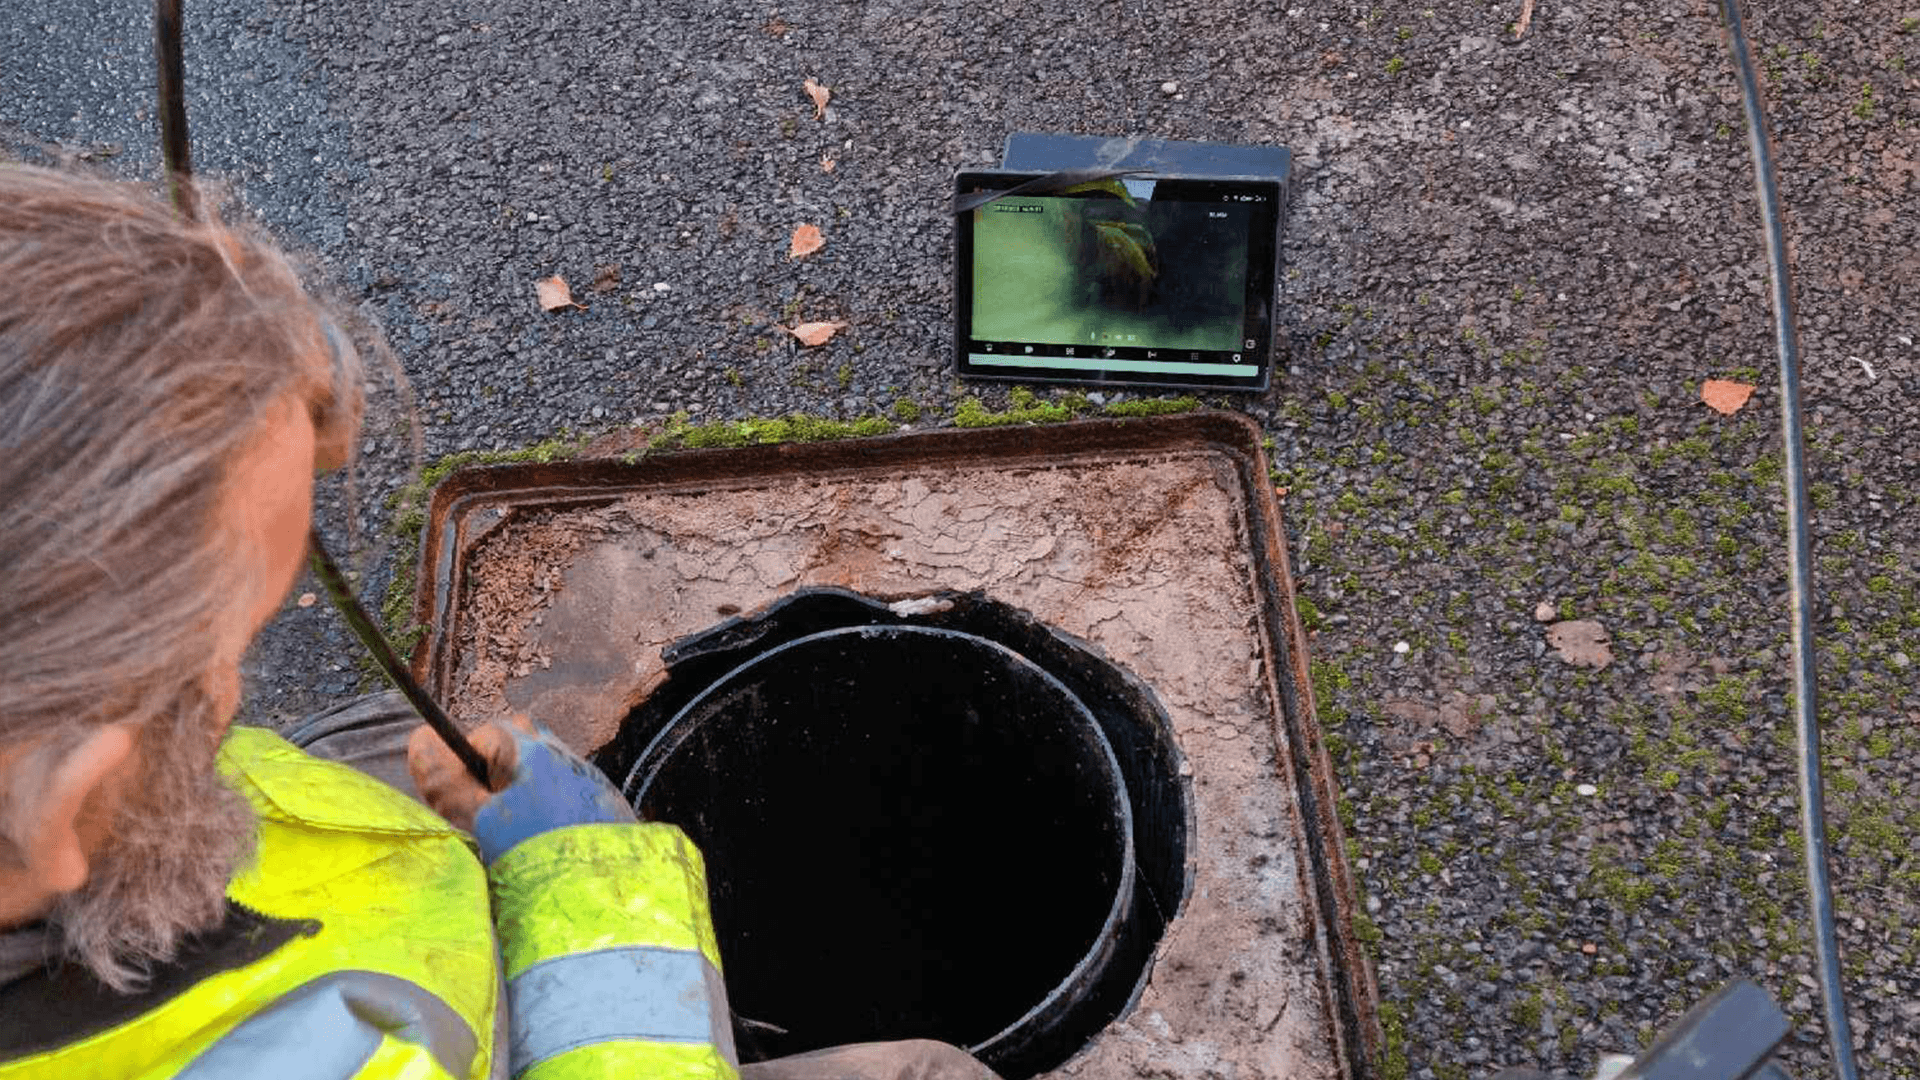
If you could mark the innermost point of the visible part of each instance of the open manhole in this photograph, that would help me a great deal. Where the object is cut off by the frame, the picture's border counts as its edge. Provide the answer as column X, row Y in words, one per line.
column 958, row 824
column 976, row 832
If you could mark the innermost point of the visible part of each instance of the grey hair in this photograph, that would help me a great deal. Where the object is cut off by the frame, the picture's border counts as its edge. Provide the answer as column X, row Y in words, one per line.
column 139, row 352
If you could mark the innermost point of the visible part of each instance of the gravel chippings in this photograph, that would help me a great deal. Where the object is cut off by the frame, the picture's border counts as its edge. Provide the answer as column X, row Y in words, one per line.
column 1511, row 265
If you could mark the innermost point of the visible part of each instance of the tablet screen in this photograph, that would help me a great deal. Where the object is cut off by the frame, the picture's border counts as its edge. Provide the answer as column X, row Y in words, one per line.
column 1161, row 281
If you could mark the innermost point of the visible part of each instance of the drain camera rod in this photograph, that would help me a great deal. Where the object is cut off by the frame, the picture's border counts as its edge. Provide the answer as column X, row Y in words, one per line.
column 170, row 58
column 1813, row 825
column 169, row 55
column 383, row 654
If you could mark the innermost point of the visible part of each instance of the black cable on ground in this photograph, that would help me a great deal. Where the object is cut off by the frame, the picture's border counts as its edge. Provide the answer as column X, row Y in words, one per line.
column 1813, row 825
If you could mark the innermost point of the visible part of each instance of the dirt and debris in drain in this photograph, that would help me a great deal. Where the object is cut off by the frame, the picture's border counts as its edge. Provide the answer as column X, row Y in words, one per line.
column 565, row 611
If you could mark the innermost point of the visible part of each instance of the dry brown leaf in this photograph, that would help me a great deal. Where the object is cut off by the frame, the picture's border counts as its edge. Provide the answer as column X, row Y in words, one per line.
column 307, row 599
column 554, row 294
column 606, row 277
column 1581, row 642
column 1725, row 397
column 820, row 95
column 815, row 333
column 827, row 163
column 806, row 241
column 1526, row 20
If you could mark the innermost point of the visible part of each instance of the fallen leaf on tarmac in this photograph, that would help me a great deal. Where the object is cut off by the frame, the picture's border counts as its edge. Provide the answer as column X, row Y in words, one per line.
column 1581, row 642
column 1725, row 397
column 806, row 241
column 554, row 294
column 306, row 599
column 815, row 333
column 1526, row 20
column 827, row 163
column 606, row 278
column 820, row 95
column 1461, row 714
column 1671, row 667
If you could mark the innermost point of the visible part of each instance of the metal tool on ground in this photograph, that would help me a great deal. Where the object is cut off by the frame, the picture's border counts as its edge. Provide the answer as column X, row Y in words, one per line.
column 169, row 59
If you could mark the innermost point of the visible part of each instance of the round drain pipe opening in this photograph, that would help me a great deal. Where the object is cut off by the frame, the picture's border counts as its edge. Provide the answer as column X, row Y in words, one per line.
column 912, row 831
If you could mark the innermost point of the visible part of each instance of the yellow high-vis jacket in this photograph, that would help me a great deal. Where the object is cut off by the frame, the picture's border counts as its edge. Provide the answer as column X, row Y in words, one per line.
column 361, row 943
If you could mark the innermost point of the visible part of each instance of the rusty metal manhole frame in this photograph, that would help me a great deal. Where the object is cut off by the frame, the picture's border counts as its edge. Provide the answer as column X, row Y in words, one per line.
column 471, row 502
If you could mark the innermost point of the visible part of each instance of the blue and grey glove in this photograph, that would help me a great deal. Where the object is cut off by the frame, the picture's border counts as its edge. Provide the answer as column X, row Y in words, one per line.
column 552, row 788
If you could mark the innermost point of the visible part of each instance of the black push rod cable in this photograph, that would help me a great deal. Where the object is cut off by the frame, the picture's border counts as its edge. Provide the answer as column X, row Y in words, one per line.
column 1806, row 714
column 383, row 654
column 169, row 58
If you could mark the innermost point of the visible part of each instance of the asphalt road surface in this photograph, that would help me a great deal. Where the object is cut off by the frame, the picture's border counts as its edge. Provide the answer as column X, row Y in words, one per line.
column 1512, row 260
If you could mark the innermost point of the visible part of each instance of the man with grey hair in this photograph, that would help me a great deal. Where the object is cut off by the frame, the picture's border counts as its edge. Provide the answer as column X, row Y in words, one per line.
column 181, row 897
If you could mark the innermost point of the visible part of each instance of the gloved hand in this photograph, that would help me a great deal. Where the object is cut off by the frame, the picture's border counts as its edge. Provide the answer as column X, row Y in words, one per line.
column 538, row 784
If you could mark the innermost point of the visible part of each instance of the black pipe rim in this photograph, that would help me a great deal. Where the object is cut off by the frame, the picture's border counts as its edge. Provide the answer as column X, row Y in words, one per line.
column 670, row 736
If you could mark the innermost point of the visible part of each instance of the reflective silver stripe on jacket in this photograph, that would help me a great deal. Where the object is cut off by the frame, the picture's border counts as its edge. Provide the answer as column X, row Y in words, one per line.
column 632, row 992
column 327, row 1029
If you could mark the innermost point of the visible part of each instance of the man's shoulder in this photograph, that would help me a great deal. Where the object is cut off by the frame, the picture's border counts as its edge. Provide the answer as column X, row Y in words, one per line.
column 55, row 1004
column 288, row 785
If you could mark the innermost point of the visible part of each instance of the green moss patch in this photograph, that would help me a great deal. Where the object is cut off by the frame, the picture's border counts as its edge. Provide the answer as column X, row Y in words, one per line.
column 1026, row 407
column 679, row 434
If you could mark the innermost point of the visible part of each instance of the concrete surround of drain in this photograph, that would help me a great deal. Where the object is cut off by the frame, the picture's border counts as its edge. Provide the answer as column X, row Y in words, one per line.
column 565, row 611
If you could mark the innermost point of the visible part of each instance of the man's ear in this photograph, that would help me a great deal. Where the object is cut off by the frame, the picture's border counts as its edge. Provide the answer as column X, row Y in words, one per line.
column 53, row 836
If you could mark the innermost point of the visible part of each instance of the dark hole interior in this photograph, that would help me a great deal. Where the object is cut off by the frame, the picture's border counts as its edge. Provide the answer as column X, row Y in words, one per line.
column 909, row 832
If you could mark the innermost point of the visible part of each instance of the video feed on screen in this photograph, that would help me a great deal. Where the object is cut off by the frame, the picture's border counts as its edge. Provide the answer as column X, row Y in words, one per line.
column 1113, row 267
